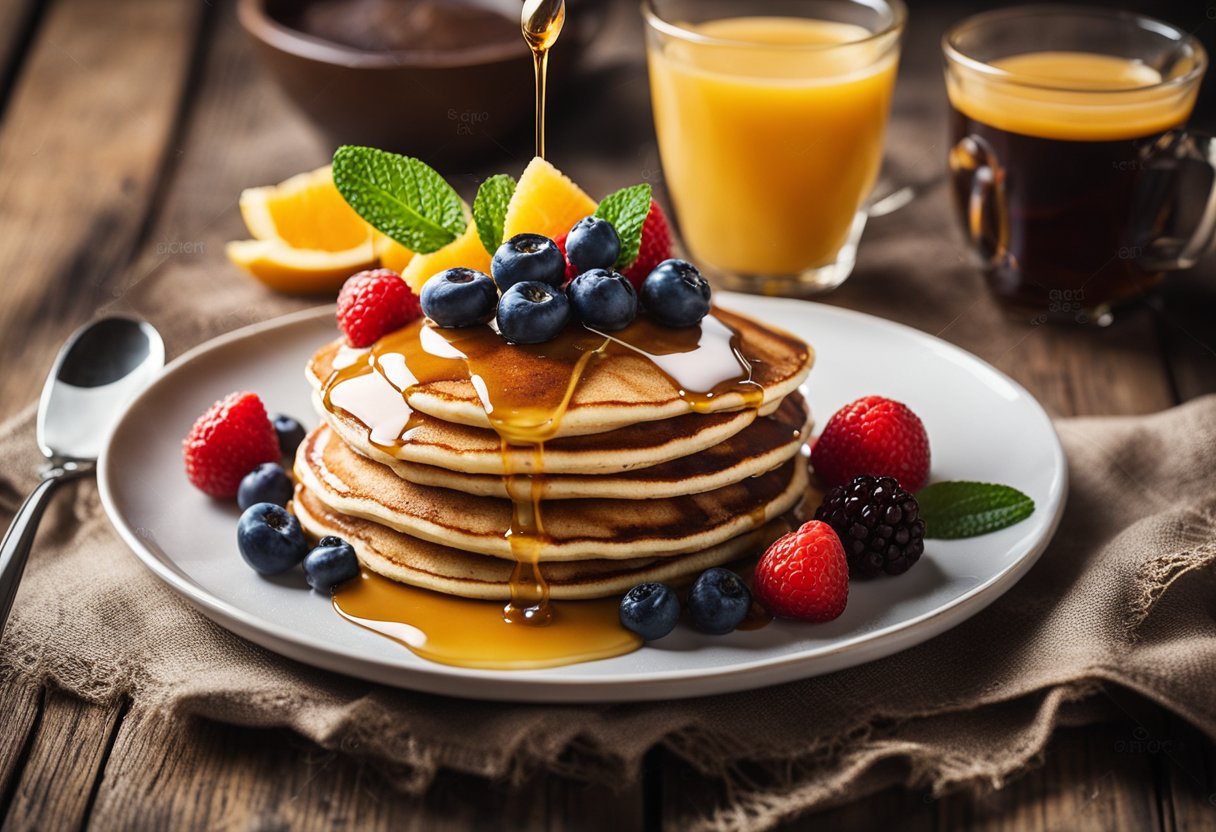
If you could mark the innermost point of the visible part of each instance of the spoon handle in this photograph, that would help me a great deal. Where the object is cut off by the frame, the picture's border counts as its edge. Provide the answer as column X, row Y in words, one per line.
column 18, row 540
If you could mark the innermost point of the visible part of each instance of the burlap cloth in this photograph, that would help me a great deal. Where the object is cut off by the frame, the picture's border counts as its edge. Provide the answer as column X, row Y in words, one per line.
column 1125, row 596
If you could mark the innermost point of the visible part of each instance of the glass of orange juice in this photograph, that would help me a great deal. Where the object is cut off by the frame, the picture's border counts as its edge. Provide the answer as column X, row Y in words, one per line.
column 770, row 118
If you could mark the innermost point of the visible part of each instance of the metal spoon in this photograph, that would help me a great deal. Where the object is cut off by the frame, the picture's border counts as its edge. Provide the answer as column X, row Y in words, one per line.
column 97, row 372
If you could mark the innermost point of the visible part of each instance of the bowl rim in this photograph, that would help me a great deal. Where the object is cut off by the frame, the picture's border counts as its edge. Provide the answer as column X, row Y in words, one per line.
column 260, row 25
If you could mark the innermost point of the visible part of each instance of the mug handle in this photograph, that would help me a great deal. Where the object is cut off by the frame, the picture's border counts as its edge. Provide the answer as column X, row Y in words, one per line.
column 1174, row 166
column 973, row 160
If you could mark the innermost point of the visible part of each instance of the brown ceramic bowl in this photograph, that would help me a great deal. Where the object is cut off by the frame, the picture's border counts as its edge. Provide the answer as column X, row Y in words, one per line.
column 457, row 104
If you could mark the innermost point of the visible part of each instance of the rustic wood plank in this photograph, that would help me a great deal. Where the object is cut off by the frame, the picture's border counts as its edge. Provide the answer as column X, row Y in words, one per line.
column 20, row 709
column 65, row 759
column 1187, row 319
column 1188, row 790
column 82, row 144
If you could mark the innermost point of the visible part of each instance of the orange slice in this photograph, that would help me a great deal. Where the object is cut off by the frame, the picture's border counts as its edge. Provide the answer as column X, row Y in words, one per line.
column 466, row 250
column 545, row 202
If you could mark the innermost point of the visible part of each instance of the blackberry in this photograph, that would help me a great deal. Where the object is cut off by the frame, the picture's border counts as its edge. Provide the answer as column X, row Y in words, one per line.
column 879, row 524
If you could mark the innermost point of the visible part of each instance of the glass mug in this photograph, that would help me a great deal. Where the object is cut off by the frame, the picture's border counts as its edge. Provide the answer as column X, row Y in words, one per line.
column 770, row 118
column 1075, row 179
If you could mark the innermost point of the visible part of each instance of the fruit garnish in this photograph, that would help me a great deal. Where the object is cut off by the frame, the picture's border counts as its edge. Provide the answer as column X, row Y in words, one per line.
column 466, row 251
column 880, row 525
column 270, row 539
column 290, row 433
column 718, row 601
column 603, row 300
column 267, row 483
column 228, row 441
column 532, row 312
column 402, row 197
column 592, row 243
column 490, row 209
column 675, row 294
column 528, row 257
column 459, row 297
column 391, row 254
column 967, row 509
column 571, row 269
column 306, row 239
column 875, row 436
column 331, row 562
column 545, row 202
column 655, row 247
column 373, row 304
column 804, row 575
column 651, row 610
column 626, row 210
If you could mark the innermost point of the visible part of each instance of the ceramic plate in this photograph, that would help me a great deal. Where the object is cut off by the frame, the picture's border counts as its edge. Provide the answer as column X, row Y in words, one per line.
column 981, row 426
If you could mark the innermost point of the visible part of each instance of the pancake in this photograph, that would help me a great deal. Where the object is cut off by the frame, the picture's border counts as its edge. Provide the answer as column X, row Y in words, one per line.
column 577, row 529
column 433, row 566
column 762, row 446
column 469, row 450
column 579, row 383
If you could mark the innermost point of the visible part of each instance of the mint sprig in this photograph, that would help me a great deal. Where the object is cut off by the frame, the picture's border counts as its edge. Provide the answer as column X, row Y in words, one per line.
column 400, row 196
column 626, row 210
column 967, row 509
column 490, row 209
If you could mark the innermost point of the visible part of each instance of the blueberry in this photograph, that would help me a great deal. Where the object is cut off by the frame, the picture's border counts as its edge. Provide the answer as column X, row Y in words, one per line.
column 330, row 563
column 651, row 610
column 291, row 433
column 532, row 312
column 459, row 297
column 268, row 483
column 718, row 601
column 593, row 244
column 528, row 257
column 675, row 294
column 603, row 299
column 270, row 539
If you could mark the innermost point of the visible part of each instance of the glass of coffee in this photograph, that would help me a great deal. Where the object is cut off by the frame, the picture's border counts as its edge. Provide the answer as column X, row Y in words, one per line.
column 1075, row 178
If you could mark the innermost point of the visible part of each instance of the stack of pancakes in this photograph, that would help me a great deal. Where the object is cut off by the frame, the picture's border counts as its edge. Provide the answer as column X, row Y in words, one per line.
column 634, row 484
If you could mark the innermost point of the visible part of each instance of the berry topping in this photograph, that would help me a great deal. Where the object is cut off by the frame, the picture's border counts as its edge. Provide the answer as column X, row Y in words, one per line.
column 528, row 258
column 330, row 563
column 651, row 610
column 879, row 524
column 560, row 242
column 603, row 300
column 374, row 303
column 290, row 432
column 227, row 442
column 459, row 297
column 656, row 246
column 532, row 312
column 874, row 436
column 804, row 575
column 270, row 539
column 592, row 244
column 268, row 483
column 675, row 294
column 718, row 601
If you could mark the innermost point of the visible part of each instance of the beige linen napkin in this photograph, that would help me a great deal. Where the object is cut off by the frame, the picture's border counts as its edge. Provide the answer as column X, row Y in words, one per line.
column 1125, row 596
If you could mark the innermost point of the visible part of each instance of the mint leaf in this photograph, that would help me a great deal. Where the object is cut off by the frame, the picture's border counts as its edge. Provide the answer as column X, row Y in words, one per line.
column 967, row 509
column 626, row 210
column 490, row 209
column 400, row 197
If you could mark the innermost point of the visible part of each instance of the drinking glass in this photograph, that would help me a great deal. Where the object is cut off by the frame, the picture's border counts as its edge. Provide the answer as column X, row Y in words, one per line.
column 770, row 118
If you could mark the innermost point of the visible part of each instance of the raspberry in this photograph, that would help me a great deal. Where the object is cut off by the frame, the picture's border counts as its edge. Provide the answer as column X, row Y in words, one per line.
column 804, row 575
column 874, row 436
column 373, row 304
column 656, row 246
column 232, row 438
column 560, row 241
column 878, row 523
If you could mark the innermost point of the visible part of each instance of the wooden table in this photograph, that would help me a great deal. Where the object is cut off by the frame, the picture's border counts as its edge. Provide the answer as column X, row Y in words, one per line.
column 128, row 128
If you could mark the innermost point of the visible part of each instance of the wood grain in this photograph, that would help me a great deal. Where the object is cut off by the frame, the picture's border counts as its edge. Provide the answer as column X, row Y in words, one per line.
column 20, row 707
column 83, row 140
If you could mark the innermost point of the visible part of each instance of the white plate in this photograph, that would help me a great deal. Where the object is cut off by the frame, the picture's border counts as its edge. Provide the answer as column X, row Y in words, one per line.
column 982, row 426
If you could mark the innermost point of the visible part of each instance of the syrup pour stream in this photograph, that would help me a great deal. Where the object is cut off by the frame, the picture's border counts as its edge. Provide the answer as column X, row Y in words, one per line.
column 542, row 23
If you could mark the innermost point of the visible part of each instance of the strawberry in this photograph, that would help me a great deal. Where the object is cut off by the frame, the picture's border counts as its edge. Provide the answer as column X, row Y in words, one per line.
column 873, row 436
column 656, row 246
column 232, row 438
column 804, row 575
column 373, row 304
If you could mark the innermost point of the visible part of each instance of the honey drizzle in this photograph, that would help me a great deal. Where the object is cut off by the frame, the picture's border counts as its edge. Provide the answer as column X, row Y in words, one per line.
column 542, row 22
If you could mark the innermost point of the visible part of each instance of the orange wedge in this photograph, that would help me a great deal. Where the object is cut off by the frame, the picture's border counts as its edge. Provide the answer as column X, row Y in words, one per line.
column 306, row 239
column 545, row 202
column 466, row 250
